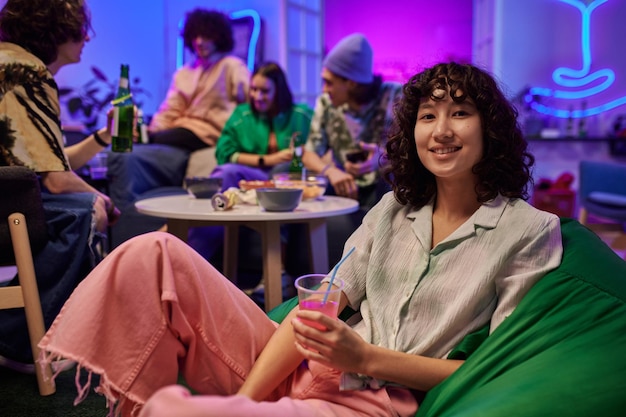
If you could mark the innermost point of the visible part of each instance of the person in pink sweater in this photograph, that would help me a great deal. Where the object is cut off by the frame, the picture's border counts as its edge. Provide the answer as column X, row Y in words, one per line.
column 203, row 93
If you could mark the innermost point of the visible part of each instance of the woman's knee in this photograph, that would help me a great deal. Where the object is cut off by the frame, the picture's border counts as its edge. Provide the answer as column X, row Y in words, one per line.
column 148, row 245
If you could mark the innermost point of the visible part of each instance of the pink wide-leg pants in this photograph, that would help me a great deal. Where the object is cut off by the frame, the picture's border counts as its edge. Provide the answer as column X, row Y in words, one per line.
column 154, row 309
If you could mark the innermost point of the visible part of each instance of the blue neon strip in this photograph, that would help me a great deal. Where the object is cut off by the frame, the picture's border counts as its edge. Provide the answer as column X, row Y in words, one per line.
column 254, row 37
column 256, row 32
column 548, row 92
column 577, row 114
column 569, row 77
column 180, row 46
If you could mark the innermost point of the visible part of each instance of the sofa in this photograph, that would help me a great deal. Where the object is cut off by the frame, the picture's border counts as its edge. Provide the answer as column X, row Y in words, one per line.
column 562, row 352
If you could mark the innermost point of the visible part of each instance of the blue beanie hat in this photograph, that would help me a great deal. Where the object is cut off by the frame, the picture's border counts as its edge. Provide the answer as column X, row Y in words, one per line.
column 351, row 58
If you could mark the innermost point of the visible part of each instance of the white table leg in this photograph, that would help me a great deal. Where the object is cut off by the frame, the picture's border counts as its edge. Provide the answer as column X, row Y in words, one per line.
column 272, row 266
column 318, row 245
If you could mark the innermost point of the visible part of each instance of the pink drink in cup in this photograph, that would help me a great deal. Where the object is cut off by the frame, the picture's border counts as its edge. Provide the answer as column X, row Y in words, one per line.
column 312, row 295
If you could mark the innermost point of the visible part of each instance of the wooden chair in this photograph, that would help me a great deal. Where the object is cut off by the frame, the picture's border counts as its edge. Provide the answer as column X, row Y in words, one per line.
column 21, row 199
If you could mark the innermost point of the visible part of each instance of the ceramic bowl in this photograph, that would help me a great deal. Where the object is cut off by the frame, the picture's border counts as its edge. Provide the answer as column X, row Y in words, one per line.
column 203, row 187
column 313, row 186
column 279, row 199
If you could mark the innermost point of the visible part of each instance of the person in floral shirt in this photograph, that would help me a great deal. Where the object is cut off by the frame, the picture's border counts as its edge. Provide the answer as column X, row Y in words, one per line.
column 351, row 121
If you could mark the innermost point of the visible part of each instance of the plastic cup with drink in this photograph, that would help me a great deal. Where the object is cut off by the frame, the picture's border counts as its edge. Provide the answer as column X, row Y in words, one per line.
column 315, row 295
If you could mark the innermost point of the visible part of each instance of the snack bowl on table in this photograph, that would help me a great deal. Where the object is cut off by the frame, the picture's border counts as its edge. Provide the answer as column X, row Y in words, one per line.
column 279, row 199
column 203, row 187
column 313, row 186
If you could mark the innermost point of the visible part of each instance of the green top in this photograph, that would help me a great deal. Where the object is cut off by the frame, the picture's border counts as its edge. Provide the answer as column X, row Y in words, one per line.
column 248, row 133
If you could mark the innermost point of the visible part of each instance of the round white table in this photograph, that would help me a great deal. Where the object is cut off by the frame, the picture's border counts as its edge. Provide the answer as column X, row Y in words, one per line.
column 183, row 212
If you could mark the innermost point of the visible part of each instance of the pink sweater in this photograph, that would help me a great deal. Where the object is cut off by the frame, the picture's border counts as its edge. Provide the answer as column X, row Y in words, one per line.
column 202, row 100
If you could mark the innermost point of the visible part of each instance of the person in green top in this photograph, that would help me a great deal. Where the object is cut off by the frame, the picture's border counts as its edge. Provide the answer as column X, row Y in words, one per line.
column 256, row 141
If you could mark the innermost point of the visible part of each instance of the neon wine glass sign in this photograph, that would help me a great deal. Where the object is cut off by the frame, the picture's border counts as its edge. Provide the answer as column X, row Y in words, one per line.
column 583, row 82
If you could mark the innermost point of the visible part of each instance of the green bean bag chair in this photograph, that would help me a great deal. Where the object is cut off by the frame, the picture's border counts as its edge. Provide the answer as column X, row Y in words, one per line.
column 561, row 353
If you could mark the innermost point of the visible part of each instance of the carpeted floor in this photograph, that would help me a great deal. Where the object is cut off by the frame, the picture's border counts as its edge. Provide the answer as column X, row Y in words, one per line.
column 19, row 397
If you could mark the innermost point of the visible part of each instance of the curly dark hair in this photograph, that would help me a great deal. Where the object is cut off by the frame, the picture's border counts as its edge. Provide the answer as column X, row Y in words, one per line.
column 505, row 167
column 209, row 24
column 40, row 26
column 283, row 100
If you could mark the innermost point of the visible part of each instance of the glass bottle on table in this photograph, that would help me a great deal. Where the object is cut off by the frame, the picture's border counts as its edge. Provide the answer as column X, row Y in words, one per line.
column 142, row 127
column 296, row 166
column 123, row 115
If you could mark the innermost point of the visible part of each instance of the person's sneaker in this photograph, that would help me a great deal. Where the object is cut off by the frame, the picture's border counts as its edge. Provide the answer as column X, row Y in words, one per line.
column 29, row 368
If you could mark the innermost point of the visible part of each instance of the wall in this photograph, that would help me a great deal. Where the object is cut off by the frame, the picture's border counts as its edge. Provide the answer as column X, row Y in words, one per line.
column 406, row 35
column 133, row 37
column 523, row 43
column 533, row 38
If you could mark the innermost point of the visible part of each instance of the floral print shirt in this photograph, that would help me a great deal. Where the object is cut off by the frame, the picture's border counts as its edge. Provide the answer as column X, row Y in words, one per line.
column 30, row 126
column 340, row 129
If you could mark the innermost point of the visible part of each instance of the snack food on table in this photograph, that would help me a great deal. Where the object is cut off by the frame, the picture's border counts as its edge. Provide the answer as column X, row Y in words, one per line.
column 313, row 186
column 245, row 185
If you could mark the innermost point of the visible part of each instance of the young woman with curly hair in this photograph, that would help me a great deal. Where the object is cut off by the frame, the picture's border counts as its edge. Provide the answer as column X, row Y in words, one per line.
column 452, row 249
column 37, row 38
column 505, row 164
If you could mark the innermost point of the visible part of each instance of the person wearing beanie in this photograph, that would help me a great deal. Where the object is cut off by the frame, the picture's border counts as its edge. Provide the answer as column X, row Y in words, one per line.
column 351, row 120
column 349, row 129
column 351, row 59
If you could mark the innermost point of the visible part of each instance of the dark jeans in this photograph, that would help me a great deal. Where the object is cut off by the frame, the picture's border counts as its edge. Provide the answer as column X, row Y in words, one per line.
column 233, row 173
column 178, row 137
column 150, row 170
column 60, row 266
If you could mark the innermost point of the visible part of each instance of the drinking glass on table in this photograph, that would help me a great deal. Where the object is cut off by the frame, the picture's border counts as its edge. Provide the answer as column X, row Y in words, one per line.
column 313, row 294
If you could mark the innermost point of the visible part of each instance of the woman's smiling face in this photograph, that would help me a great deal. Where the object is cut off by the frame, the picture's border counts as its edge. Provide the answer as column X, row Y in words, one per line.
column 448, row 136
column 262, row 93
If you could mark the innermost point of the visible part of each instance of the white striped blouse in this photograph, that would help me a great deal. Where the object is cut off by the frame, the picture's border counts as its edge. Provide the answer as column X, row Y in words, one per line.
column 420, row 300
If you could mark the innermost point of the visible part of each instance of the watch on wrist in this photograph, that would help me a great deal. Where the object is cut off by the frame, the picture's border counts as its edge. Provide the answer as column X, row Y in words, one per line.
column 261, row 162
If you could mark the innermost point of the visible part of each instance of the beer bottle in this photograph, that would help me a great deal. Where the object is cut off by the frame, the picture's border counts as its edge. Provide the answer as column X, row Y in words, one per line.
column 296, row 166
column 123, row 114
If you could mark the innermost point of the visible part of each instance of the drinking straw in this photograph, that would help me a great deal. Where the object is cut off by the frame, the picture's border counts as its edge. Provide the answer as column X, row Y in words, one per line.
column 332, row 277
